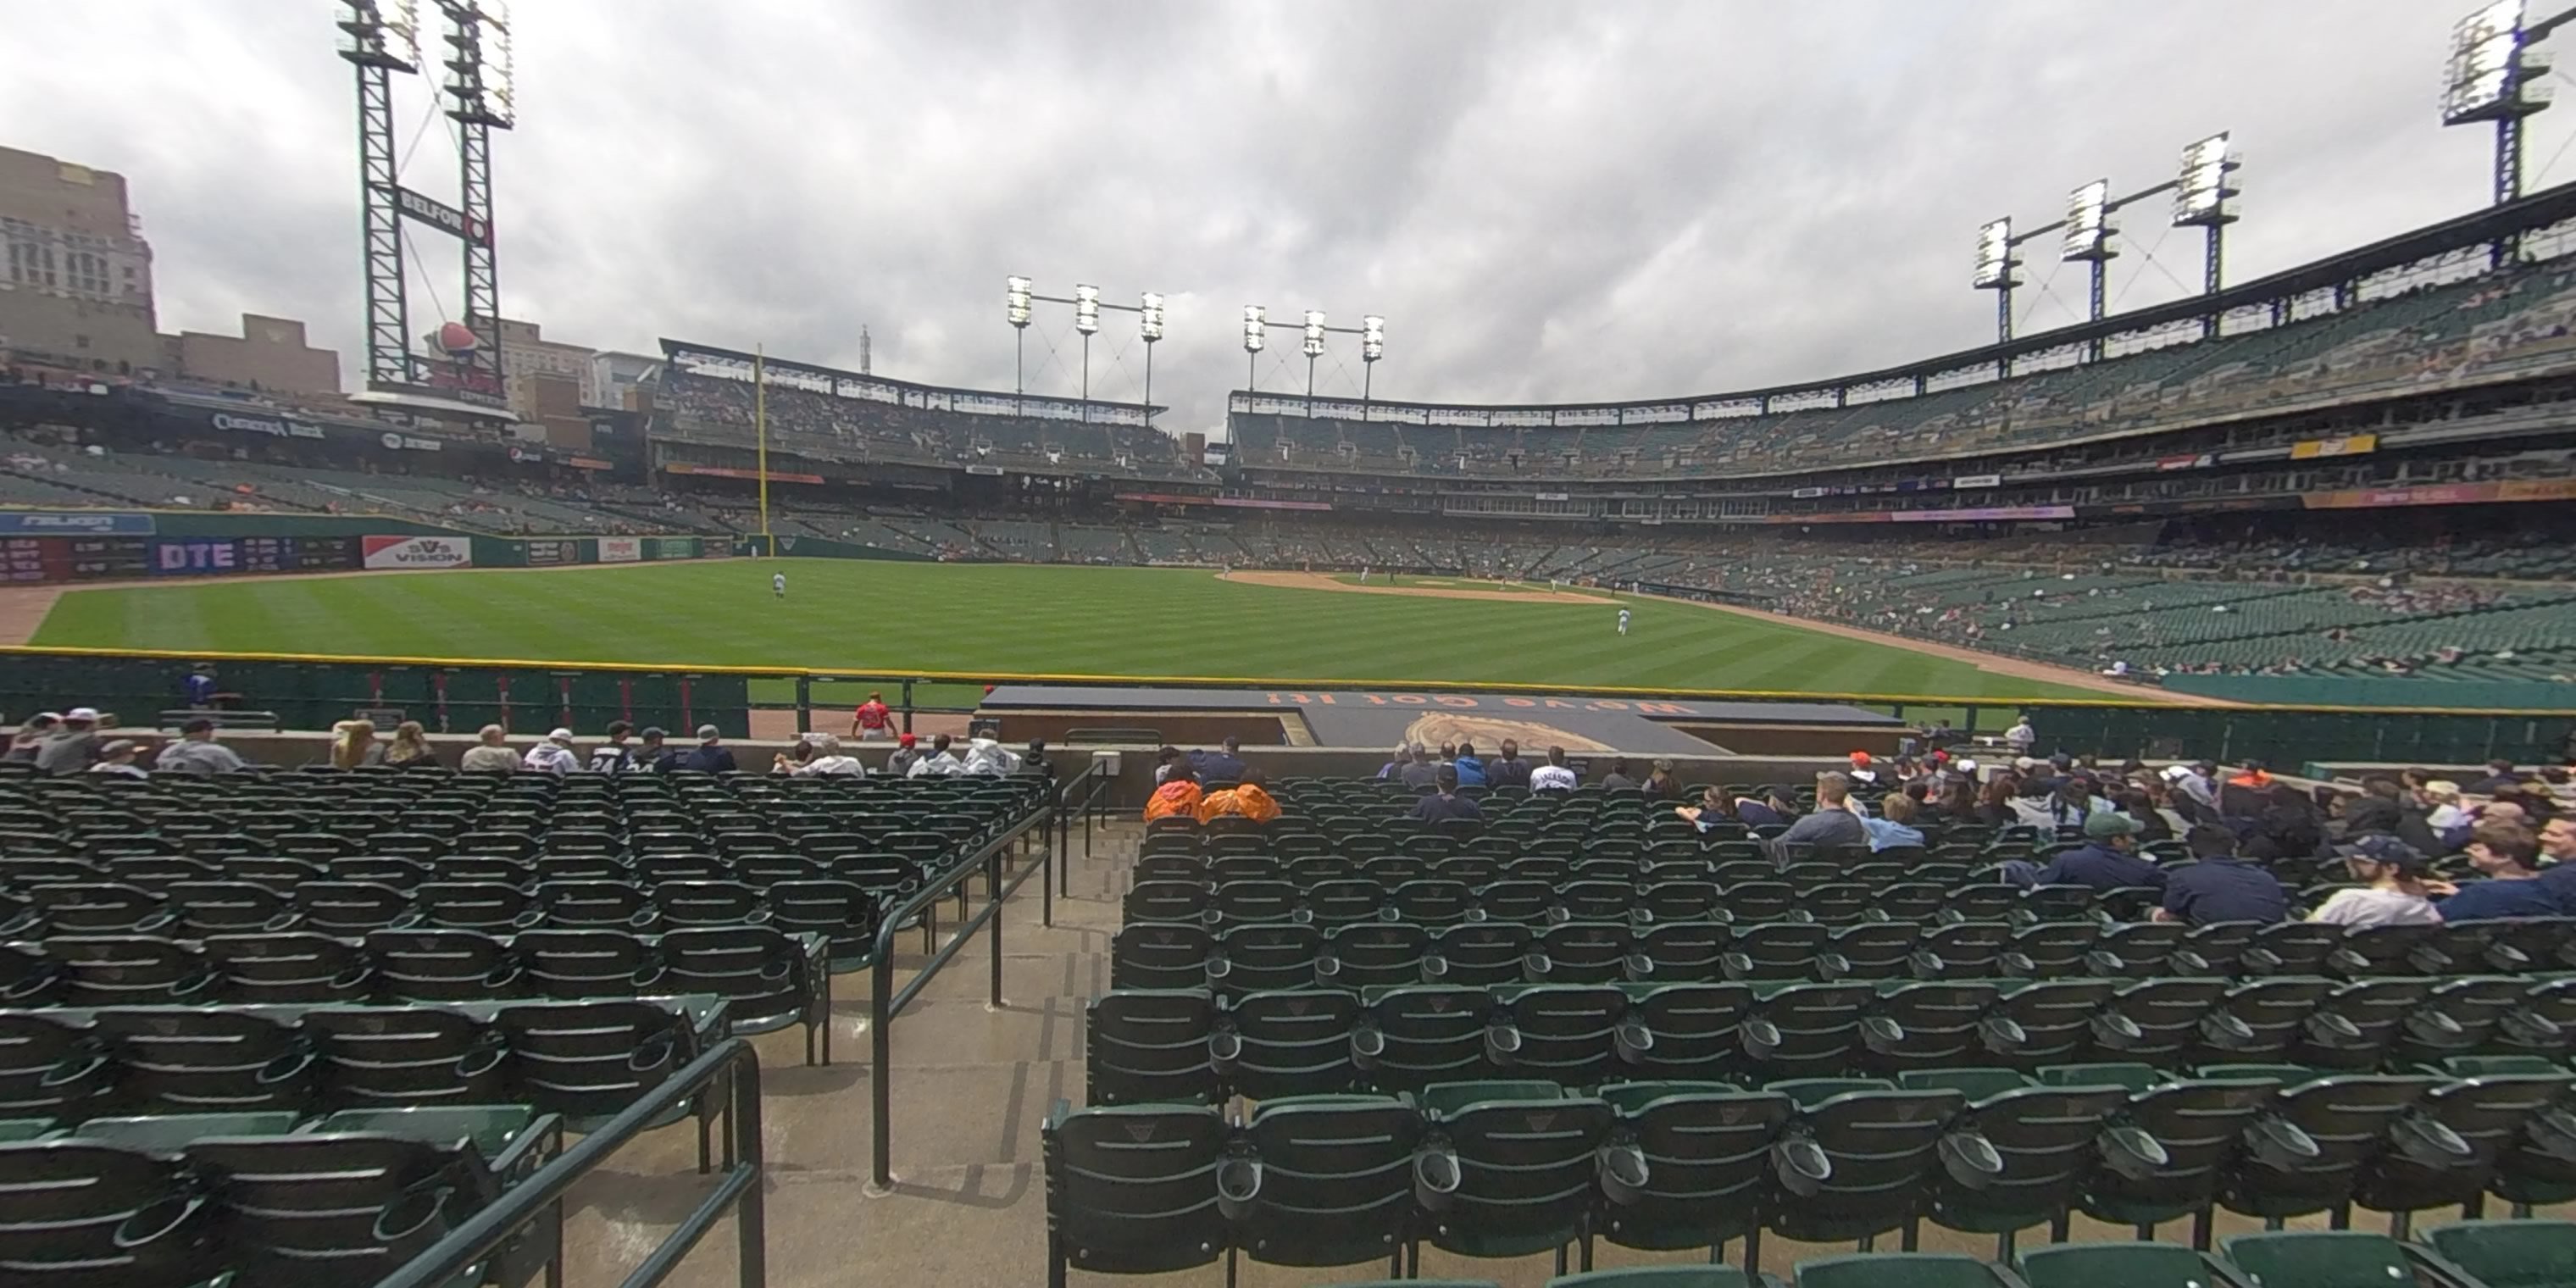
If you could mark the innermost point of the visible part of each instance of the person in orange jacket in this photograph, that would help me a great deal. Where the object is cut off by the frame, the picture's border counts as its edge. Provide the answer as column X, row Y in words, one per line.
column 1245, row 798
column 1179, row 795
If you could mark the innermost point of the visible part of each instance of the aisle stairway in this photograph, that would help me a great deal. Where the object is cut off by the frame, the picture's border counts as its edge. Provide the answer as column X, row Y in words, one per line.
column 973, row 1085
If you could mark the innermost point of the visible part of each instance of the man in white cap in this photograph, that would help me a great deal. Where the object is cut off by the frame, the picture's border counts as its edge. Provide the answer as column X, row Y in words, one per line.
column 73, row 746
column 552, row 756
column 116, row 759
column 31, row 736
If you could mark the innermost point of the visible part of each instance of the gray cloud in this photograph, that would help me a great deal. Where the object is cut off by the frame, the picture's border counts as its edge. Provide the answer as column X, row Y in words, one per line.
column 1547, row 201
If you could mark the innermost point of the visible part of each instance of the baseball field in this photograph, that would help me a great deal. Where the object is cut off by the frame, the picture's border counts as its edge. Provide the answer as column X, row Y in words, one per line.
column 993, row 619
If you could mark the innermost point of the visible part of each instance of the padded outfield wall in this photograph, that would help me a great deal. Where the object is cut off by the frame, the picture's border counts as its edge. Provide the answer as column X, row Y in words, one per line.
column 42, row 547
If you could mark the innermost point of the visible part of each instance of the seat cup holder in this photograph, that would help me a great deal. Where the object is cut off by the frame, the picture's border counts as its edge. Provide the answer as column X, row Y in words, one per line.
column 1436, row 1178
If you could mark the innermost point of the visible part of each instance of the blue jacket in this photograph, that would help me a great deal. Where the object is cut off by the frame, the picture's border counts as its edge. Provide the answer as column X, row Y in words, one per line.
column 2102, row 868
column 2482, row 900
column 2224, row 890
column 1471, row 771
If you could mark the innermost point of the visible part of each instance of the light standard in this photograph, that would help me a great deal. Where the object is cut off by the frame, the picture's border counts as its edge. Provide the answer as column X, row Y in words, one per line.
column 1256, row 325
column 1020, row 300
column 1149, row 324
column 1313, row 348
column 1015, row 306
column 1086, row 319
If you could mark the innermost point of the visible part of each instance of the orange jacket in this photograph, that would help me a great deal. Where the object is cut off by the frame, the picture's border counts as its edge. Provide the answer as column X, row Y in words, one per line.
column 1247, row 800
column 1180, row 798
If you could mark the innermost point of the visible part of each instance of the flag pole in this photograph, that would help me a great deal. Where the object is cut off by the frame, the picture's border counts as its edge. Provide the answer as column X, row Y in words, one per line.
column 760, row 420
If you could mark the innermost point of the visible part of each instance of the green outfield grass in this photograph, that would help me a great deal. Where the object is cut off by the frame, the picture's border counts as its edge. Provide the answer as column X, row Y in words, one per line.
column 863, row 615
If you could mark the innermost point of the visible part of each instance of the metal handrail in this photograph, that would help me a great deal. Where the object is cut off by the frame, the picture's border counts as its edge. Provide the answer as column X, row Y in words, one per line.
column 886, row 1001
column 738, row 1190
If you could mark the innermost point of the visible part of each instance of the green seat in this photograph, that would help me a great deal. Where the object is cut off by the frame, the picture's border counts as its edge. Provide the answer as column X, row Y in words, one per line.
column 1900, row 1270
column 1810, row 1092
column 492, row 1128
column 2490, row 1066
column 2318, row 1258
column 1442, row 1098
column 2509, row 1254
column 2114, row 1265
column 1658, row 1277
column 17, row 1129
column 170, row 1133
column 1629, row 1097
column 2135, row 1077
column 1975, row 1084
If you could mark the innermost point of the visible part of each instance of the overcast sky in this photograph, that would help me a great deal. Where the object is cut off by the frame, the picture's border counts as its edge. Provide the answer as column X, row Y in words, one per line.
column 1548, row 200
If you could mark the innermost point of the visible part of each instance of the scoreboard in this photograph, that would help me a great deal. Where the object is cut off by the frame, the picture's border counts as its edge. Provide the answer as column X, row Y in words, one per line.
column 106, row 558
column 57, row 559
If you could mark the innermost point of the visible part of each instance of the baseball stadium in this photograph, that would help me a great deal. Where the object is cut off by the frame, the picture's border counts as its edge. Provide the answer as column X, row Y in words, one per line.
column 2090, row 807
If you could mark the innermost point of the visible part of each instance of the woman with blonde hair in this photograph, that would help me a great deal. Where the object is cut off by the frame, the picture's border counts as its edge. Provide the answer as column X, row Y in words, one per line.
column 410, row 746
column 353, row 744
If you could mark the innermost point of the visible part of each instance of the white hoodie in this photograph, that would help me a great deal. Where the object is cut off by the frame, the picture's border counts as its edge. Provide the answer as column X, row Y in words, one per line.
column 832, row 766
column 550, row 757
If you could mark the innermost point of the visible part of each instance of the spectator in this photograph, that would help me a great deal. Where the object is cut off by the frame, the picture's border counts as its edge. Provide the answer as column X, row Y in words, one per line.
column 2375, row 810
column 197, row 691
column 2107, row 860
column 711, row 756
column 989, row 759
column 1036, row 762
column 1444, row 802
column 652, row 754
column 1860, row 772
column 2442, row 812
column 1957, row 800
column 116, row 758
column 2558, row 845
column 2198, row 784
column 1471, row 771
column 553, row 754
column 2142, row 811
column 1833, row 823
column 614, row 756
column 2069, row 805
column 1617, row 780
column 1660, row 784
column 1775, row 808
column 1397, row 760
column 1894, row 828
column 2500, row 776
column 2507, row 854
column 1222, row 765
column 354, row 745
column 2021, row 736
column 1179, row 796
column 900, row 762
column 410, row 747
column 872, row 720
column 197, row 752
column 2394, row 895
column 2288, row 827
column 489, row 754
column 1711, row 810
column 1555, row 775
column 824, row 761
column 71, row 745
column 1419, row 771
column 2255, row 774
column 31, row 736
column 1246, row 799
column 944, row 763
column 2220, row 887
column 1509, row 770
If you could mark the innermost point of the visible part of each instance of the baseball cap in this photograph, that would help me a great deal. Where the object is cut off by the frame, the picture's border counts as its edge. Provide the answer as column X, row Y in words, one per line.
column 198, row 725
column 81, row 713
column 2382, row 848
column 1965, row 766
column 708, row 733
column 560, row 735
column 116, row 747
column 2176, row 773
column 1860, row 758
column 906, row 740
column 2109, row 824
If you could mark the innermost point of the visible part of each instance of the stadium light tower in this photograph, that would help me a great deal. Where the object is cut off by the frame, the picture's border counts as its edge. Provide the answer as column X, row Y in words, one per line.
column 1019, row 305
column 2088, row 241
column 1311, row 328
column 1372, row 348
column 2200, row 201
column 2492, row 76
column 1994, row 272
column 382, row 39
column 1256, row 325
column 1313, row 348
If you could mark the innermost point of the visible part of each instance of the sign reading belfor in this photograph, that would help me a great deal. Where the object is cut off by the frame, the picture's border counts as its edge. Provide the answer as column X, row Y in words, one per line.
column 417, row 552
column 442, row 216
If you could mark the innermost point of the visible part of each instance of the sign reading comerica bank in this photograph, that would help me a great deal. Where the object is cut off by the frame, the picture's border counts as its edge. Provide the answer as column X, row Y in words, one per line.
column 273, row 426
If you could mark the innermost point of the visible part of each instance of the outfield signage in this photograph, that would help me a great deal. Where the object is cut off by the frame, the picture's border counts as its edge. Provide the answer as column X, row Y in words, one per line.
column 621, row 549
column 1230, row 502
column 721, row 472
column 1977, row 481
column 67, row 522
column 2444, row 494
column 417, row 552
column 442, row 216
column 2348, row 445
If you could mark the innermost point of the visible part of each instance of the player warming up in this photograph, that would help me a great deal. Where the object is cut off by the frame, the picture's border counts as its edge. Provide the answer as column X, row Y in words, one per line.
column 778, row 584
column 1623, row 621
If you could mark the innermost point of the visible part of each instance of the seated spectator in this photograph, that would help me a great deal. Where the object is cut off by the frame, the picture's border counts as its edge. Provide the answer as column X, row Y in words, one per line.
column 2507, row 855
column 1833, row 823
column 823, row 759
column 31, row 736
column 1221, row 765
column 1246, row 799
column 1660, row 785
column 2500, row 775
column 2068, row 805
column 2220, row 887
column 652, row 751
column 2108, row 859
column 197, row 752
column 2288, row 827
column 614, row 756
column 1711, row 810
column 2197, row 784
column 711, row 755
column 2255, row 775
column 1860, row 772
column 2152, row 825
column 2395, row 894
column 354, row 745
column 410, row 747
column 1894, row 828
column 2442, row 812
column 1774, row 808
column 1035, row 760
column 1179, row 795
column 1617, row 780
column 1164, row 759
column 906, row 754
column 72, row 745
column 116, row 758
column 1419, row 770
column 945, row 763
column 1508, row 769
column 1471, row 771
column 2375, row 810
column 988, row 758
column 2558, row 845
column 1555, row 775
column 553, row 755
column 490, row 754
column 1396, row 761
column 1444, row 802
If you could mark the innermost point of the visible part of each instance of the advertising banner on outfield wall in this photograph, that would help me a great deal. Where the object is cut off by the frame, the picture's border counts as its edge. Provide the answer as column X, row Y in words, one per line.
column 417, row 552
column 621, row 549
column 36, row 523
column 550, row 554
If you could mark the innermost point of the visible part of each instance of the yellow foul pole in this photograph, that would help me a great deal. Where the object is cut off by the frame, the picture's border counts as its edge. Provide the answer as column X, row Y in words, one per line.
column 760, row 420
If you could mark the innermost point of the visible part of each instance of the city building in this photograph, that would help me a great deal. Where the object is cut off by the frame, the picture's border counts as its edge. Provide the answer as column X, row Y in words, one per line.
column 527, row 356
column 75, row 272
column 616, row 376
column 269, row 354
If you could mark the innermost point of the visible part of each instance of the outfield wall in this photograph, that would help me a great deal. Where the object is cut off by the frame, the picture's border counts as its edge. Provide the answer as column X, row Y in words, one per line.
column 41, row 547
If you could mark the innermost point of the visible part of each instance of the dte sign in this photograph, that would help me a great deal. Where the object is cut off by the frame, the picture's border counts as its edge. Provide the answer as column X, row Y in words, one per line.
column 196, row 556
